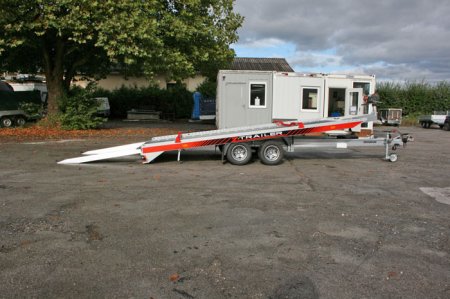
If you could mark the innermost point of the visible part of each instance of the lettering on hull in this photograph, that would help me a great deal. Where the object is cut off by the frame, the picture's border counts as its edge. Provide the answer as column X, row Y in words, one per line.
column 259, row 136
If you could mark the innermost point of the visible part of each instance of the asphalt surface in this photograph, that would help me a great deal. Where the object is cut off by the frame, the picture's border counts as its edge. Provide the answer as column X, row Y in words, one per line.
column 323, row 224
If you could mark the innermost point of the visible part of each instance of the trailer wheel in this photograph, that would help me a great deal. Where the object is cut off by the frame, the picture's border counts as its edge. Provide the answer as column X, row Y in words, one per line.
column 271, row 153
column 6, row 122
column 20, row 121
column 446, row 127
column 239, row 153
column 393, row 157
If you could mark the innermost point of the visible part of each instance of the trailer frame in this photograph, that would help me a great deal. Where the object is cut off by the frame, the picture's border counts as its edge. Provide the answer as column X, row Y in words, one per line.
column 437, row 118
column 237, row 145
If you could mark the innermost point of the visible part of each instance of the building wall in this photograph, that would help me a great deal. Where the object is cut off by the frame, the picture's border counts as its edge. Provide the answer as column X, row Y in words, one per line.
column 116, row 81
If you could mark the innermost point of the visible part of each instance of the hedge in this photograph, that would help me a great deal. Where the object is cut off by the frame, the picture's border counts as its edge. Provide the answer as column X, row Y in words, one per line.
column 176, row 101
column 415, row 97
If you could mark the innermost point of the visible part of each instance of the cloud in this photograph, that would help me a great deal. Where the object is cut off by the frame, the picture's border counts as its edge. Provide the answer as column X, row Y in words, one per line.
column 262, row 43
column 311, row 59
column 405, row 38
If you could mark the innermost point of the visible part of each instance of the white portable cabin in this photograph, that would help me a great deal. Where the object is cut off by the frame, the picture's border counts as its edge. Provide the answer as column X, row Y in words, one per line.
column 246, row 98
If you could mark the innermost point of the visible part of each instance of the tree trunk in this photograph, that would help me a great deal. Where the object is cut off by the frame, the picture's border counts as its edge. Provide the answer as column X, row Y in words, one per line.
column 55, row 91
column 54, row 72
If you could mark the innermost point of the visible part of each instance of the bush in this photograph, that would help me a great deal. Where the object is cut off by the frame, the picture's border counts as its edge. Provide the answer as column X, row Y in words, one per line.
column 208, row 88
column 33, row 110
column 415, row 98
column 79, row 111
column 50, row 121
column 176, row 101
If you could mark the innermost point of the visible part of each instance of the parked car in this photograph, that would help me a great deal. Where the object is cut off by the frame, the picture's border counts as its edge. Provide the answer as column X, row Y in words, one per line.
column 446, row 126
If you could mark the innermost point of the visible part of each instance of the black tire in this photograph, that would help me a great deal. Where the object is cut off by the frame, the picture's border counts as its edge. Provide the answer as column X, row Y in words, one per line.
column 446, row 127
column 6, row 121
column 239, row 153
column 20, row 121
column 271, row 152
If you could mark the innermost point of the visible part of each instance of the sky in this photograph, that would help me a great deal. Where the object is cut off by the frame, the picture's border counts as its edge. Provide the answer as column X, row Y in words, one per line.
column 396, row 40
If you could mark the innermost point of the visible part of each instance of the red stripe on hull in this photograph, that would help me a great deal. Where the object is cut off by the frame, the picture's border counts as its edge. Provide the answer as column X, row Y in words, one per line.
column 186, row 145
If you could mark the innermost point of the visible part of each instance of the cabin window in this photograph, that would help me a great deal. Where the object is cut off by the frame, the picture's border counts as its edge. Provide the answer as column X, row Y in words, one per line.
column 310, row 97
column 364, row 85
column 257, row 95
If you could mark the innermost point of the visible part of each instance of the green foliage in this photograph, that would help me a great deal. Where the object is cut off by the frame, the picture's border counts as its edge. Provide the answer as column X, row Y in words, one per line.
column 80, row 112
column 208, row 88
column 410, row 120
column 66, row 37
column 174, row 102
column 415, row 98
column 33, row 110
column 50, row 121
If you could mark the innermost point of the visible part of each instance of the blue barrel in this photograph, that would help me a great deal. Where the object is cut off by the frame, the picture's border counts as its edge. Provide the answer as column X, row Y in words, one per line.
column 196, row 109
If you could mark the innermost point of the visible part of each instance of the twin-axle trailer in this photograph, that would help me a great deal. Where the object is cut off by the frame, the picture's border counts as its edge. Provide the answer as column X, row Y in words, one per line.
column 237, row 145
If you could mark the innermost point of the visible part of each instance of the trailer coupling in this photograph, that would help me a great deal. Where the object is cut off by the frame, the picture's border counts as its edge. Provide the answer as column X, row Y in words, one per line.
column 401, row 139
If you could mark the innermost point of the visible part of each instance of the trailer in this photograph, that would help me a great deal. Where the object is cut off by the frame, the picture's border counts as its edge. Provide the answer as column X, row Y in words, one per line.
column 390, row 116
column 270, row 113
column 269, row 141
column 12, row 106
column 437, row 118
column 23, row 85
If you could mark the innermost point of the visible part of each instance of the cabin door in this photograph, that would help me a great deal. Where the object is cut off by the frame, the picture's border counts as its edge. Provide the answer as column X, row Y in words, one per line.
column 353, row 102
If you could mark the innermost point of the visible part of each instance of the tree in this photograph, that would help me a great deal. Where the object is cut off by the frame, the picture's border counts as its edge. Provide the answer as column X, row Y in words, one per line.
column 65, row 37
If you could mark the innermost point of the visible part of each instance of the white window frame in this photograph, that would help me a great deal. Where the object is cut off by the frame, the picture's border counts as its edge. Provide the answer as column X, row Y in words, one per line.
column 318, row 98
column 250, row 95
